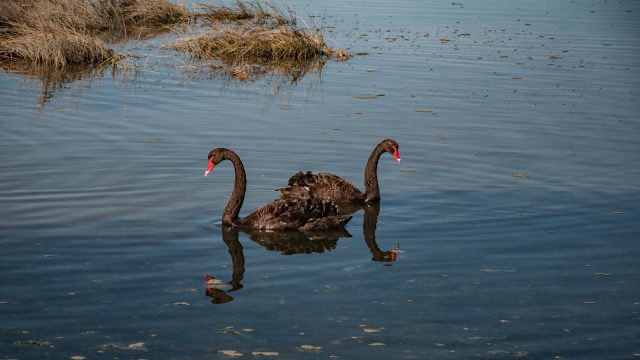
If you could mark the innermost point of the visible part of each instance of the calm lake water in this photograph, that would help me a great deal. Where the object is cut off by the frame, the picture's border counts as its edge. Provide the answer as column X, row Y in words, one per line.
column 516, row 208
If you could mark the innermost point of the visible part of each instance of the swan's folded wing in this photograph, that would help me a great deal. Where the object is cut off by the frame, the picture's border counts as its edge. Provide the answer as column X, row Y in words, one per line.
column 291, row 214
column 322, row 186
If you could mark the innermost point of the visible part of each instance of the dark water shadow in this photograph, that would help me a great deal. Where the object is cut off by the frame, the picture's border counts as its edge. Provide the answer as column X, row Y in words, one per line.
column 290, row 243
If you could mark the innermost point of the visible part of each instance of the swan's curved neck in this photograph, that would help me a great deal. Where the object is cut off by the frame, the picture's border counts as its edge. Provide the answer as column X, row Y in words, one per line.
column 371, row 189
column 231, row 211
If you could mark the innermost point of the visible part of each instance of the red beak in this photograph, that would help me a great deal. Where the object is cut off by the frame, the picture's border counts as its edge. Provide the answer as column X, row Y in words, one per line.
column 396, row 154
column 209, row 168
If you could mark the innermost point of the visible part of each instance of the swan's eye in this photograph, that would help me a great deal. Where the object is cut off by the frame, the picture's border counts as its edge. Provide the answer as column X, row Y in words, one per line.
column 396, row 154
column 209, row 168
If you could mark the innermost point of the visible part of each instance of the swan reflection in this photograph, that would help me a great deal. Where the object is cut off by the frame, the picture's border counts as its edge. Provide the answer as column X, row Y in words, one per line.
column 290, row 243
column 217, row 290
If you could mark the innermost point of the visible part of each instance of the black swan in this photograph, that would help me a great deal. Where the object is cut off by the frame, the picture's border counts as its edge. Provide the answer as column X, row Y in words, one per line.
column 330, row 187
column 281, row 214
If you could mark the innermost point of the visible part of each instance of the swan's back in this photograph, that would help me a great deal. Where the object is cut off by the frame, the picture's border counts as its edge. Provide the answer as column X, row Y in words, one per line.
column 322, row 186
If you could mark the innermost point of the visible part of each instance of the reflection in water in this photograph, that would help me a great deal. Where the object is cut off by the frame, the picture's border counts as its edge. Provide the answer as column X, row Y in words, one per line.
column 297, row 242
column 369, row 225
column 289, row 243
column 213, row 287
column 56, row 81
column 371, row 212
column 277, row 77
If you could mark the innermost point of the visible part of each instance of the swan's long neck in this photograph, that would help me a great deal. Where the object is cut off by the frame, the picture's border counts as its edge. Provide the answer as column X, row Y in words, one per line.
column 231, row 211
column 371, row 189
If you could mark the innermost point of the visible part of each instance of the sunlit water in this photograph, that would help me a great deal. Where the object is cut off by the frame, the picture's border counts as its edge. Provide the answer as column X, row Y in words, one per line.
column 516, row 207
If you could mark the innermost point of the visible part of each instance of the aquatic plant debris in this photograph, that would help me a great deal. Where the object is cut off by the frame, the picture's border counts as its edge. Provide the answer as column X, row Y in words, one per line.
column 265, row 353
column 371, row 330
column 230, row 353
column 229, row 330
column 310, row 348
column 137, row 346
column 33, row 343
column 368, row 97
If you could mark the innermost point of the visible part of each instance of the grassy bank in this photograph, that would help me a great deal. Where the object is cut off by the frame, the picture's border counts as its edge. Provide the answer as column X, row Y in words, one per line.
column 58, row 33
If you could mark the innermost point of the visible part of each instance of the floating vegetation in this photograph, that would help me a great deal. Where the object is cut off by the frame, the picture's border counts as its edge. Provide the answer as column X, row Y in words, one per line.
column 265, row 353
column 371, row 330
column 245, row 53
column 230, row 353
column 34, row 343
column 260, row 45
column 254, row 38
column 310, row 348
column 139, row 346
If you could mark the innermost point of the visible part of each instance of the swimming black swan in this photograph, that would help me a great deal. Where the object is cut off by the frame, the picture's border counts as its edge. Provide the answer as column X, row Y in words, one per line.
column 281, row 214
column 330, row 187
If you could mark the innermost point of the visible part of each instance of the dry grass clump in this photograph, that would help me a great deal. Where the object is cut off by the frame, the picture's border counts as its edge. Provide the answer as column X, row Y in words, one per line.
column 257, row 11
column 146, row 13
column 36, row 13
column 56, row 48
column 256, row 35
column 245, row 54
column 91, row 16
column 255, row 45
column 58, row 33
